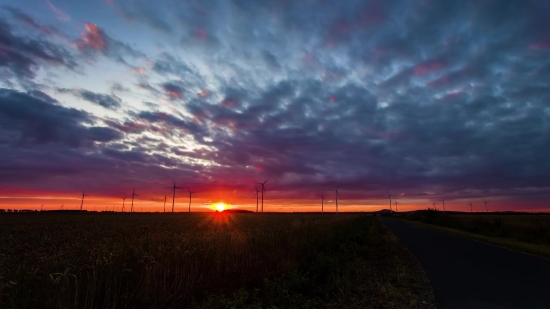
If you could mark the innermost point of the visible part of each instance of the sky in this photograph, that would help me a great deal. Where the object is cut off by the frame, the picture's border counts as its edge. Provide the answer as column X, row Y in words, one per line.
column 422, row 99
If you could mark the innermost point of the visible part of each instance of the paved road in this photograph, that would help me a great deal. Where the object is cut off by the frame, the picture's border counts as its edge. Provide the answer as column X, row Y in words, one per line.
column 470, row 274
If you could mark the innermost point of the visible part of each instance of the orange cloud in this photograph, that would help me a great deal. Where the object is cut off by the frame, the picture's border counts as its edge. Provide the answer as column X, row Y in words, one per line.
column 139, row 71
column 92, row 37
column 203, row 93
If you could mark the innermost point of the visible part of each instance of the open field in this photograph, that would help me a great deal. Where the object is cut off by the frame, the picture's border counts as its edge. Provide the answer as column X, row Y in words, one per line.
column 524, row 232
column 219, row 260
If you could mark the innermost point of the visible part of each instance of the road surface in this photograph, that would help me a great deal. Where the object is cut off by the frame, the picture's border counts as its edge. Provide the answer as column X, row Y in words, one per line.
column 470, row 274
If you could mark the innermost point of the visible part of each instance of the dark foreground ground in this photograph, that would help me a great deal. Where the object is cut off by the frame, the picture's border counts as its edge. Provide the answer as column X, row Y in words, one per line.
column 205, row 261
column 470, row 274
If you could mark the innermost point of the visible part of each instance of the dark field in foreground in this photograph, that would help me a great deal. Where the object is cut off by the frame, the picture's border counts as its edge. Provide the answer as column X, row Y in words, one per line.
column 525, row 232
column 205, row 261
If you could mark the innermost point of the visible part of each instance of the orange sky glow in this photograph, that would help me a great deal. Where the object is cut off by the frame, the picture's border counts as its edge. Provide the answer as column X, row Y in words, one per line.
column 54, row 201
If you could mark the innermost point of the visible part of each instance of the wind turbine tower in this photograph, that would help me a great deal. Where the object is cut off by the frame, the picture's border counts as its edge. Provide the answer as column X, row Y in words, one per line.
column 174, row 195
column 471, row 208
column 82, row 202
column 133, row 194
column 165, row 203
column 190, row 194
column 395, row 203
column 336, row 200
column 123, row 199
column 263, row 188
column 323, row 203
column 256, row 197
column 443, row 205
column 486, row 208
column 389, row 196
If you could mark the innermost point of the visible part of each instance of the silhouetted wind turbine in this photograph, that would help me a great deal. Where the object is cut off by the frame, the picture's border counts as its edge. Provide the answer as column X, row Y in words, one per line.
column 471, row 209
column 435, row 208
column 133, row 194
column 395, row 203
column 174, row 195
column 486, row 208
column 190, row 194
column 123, row 199
column 165, row 203
column 82, row 202
column 323, row 203
column 443, row 205
column 62, row 206
column 256, row 197
column 389, row 196
column 336, row 200
column 263, row 188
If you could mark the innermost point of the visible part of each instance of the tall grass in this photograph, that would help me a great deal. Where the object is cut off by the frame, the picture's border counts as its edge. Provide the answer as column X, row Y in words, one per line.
column 173, row 261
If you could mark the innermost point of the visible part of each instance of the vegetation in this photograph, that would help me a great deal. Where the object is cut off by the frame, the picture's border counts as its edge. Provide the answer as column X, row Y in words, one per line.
column 215, row 260
column 525, row 232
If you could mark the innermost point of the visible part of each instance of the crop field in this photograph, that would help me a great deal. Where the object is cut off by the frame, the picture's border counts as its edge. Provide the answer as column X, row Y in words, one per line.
column 220, row 260
column 524, row 232
column 522, row 227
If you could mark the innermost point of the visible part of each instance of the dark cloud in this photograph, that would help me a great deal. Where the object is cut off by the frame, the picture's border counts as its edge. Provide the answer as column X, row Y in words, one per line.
column 426, row 98
column 173, row 90
column 104, row 100
column 23, row 56
column 30, row 22
column 34, row 117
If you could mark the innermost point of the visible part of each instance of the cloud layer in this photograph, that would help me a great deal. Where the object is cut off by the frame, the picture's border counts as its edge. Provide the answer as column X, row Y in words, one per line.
column 427, row 99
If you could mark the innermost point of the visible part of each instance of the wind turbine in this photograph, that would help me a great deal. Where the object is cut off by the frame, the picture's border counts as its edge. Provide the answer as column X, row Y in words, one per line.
column 256, row 197
column 336, row 200
column 190, row 194
column 443, row 200
column 82, row 202
column 471, row 209
column 133, row 194
column 165, row 203
column 123, row 199
column 434, row 205
column 62, row 206
column 174, row 195
column 486, row 208
column 323, row 203
column 395, row 203
column 389, row 196
column 263, row 188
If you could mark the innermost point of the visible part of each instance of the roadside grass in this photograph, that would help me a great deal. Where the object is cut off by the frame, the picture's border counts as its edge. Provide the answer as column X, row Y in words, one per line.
column 205, row 261
column 525, row 233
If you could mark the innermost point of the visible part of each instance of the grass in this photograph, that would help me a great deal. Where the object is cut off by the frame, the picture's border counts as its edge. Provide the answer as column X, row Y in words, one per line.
column 205, row 261
column 527, row 233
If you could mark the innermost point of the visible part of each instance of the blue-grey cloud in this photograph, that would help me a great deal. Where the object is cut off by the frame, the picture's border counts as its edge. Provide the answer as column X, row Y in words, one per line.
column 414, row 96
column 104, row 100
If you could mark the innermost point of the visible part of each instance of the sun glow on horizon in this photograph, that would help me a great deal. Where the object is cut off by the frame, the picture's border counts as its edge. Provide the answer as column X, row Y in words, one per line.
column 221, row 206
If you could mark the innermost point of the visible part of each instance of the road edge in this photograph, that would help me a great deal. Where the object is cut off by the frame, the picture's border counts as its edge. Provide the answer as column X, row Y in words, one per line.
column 427, row 298
column 504, row 243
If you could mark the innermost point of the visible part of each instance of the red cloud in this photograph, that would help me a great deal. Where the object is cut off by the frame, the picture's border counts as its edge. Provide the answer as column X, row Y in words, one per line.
column 92, row 38
column 541, row 45
column 203, row 93
column 428, row 67
column 229, row 102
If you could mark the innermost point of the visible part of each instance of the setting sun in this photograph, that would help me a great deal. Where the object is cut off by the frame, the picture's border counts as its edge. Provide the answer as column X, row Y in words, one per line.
column 220, row 206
